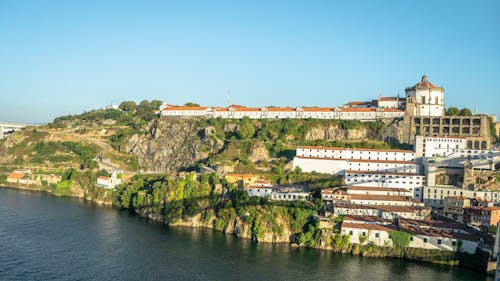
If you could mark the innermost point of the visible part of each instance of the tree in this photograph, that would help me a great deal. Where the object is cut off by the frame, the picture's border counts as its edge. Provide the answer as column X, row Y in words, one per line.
column 191, row 104
column 156, row 104
column 246, row 130
column 465, row 112
column 128, row 106
column 452, row 111
column 145, row 111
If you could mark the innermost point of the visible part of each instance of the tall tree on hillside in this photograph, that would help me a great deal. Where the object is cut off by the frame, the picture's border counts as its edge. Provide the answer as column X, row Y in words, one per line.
column 145, row 111
column 128, row 106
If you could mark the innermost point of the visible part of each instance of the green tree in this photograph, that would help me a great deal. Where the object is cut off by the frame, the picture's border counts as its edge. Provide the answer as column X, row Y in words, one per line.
column 191, row 104
column 465, row 112
column 452, row 111
column 128, row 106
column 156, row 104
column 145, row 111
column 246, row 129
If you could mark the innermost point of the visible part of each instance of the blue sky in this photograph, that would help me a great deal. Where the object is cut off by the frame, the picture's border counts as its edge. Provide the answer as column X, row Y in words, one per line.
column 60, row 57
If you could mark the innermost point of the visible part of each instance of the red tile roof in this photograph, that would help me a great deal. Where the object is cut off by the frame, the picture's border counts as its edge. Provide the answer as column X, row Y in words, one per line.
column 16, row 176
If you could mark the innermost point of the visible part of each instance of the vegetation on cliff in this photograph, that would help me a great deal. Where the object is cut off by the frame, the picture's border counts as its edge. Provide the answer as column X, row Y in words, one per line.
column 209, row 201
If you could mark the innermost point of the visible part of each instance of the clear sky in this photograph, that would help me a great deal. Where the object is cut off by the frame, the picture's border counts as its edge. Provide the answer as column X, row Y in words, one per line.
column 60, row 57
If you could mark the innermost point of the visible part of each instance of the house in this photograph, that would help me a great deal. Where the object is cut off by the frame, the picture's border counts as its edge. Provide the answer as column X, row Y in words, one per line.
column 259, row 191
column 241, row 180
column 109, row 182
column 289, row 194
column 382, row 211
column 482, row 217
column 17, row 178
column 426, row 234
column 454, row 207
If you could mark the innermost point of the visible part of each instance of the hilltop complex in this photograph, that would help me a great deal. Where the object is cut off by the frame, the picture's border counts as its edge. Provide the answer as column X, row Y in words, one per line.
column 422, row 112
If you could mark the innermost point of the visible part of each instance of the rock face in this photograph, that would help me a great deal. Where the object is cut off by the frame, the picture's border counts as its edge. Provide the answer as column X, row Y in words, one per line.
column 259, row 152
column 172, row 144
column 391, row 132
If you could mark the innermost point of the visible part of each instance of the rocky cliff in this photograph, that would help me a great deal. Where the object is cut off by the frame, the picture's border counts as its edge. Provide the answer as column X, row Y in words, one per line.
column 171, row 144
column 175, row 143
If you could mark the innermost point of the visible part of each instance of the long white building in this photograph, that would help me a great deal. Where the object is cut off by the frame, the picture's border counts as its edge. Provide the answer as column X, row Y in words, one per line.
column 239, row 111
column 335, row 160
column 410, row 181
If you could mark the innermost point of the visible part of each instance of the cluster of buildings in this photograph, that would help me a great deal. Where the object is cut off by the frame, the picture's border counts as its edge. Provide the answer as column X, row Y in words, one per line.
column 422, row 111
column 386, row 189
column 26, row 177
column 254, row 186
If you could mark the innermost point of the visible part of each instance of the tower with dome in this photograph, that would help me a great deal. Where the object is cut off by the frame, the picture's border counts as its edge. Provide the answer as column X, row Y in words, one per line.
column 425, row 99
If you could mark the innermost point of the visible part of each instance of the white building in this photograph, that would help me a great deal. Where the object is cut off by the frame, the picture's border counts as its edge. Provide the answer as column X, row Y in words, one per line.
column 382, row 211
column 289, row 194
column 259, row 191
column 410, row 181
column 426, row 234
column 239, row 111
column 438, row 146
column 429, row 99
column 109, row 182
column 184, row 111
column 354, row 153
column 434, row 195
column 370, row 190
column 335, row 160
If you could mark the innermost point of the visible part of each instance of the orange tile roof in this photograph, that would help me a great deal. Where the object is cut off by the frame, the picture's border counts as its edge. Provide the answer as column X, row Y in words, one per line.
column 241, row 175
column 380, row 198
column 360, row 160
column 317, row 109
column 103, row 178
column 388, row 99
column 16, row 176
column 369, row 226
column 246, row 109
column 376, row 188
column 354, row 149
column 357, row 109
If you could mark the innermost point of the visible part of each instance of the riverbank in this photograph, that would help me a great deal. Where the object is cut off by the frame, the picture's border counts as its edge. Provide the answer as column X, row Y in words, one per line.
column 326, row 240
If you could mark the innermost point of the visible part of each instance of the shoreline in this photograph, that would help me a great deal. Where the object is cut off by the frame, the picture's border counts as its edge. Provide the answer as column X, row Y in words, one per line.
column 358, row 250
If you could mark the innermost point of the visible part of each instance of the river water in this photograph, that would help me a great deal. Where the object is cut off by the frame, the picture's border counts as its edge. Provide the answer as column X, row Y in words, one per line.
column 48, row 238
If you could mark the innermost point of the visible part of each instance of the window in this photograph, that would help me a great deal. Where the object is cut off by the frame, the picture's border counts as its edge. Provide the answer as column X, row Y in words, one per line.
column 411, row 238
column 425, row 240
column 439, row 241
column 350, row 232
column 377, row 235
column 453, row 243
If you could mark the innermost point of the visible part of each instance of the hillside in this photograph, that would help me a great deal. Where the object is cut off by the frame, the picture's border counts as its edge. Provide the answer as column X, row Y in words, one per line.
column 135, row 142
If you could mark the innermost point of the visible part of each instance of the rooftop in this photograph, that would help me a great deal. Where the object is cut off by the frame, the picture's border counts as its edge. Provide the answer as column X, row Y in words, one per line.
column 354, row 149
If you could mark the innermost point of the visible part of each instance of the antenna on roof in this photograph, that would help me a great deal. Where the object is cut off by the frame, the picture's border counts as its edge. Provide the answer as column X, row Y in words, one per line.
column 228, row 98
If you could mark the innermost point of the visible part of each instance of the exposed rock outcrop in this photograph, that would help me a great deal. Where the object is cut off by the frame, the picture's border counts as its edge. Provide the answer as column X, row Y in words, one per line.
column 172, row 144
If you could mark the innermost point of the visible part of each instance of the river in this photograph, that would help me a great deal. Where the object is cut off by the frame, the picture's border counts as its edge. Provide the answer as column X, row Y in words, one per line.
column 48, row 238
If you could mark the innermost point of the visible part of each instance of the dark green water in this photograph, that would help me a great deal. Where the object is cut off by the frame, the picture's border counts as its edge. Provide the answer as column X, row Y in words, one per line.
column 48, row 238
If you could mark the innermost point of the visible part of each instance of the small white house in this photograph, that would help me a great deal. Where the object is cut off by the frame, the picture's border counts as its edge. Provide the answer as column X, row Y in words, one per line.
column 109, row 182
column 259, row 191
